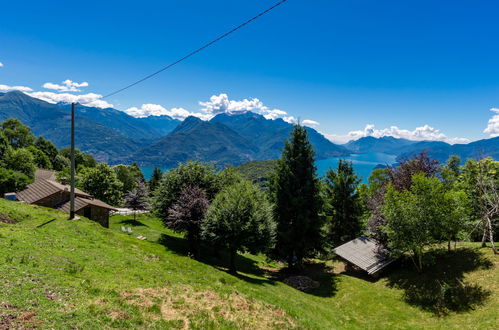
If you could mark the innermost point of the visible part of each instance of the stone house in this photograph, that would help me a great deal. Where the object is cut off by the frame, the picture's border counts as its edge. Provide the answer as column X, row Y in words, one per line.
column 49, row 193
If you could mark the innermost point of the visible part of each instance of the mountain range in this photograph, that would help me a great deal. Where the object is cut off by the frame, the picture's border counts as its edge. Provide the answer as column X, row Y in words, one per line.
column 439, row 150
column 227, row 139
column 115, row 137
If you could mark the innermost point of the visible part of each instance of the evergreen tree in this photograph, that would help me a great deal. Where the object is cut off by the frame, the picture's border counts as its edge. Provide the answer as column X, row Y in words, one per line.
column 295, row 191
column 450, row 171
column 137, row 172
column 342, row 204
column 155, row 179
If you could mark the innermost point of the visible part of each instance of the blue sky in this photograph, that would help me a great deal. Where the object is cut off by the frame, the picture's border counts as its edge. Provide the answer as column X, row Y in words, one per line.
column 344, row 64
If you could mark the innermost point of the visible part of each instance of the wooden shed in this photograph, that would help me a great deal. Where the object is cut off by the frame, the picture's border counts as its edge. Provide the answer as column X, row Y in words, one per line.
column 365, row 253
column 49, row 193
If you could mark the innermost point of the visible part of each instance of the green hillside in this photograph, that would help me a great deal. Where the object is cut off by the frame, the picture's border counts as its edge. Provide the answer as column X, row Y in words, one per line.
column 56, row 273
column 257, row 171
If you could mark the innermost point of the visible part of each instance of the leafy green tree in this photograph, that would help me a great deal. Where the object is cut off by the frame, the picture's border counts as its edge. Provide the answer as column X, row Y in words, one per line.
column 373, row 195
column 4, row 144
column 127, row 177
column 81, row 159
column 155, row 179
column 186, row 215
column 20, row 160
column 240, row 218
column 426, row 213
column 451, row 171
column 188, row 174
column 137, row 172
column 137, row 198
column 61, row 162
column 47, row 147
column 41, row 159
column 342, row 203
column 18, row 134
column 457, row 210
column 12, row 181
column 295, row 191
column 480, row 180
column 88, row 160
column 102, row 183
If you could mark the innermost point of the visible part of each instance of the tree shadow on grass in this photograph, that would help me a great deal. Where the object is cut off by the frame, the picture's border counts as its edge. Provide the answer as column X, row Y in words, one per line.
column 132, row 222
column 218, row 258
column 441, row 288
column 316, row 271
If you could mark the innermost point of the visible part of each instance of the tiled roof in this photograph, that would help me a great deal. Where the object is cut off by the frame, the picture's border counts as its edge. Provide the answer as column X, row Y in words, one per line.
column 81, row 203
column 365, row 253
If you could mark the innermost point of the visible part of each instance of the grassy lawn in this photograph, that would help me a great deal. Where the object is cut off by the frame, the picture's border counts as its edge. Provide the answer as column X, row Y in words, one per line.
column 56, row 273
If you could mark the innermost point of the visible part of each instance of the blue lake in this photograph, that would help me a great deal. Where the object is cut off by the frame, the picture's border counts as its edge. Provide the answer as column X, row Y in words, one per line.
column 362, row 163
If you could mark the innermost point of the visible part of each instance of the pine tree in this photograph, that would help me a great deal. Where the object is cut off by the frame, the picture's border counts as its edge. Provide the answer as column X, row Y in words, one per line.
column 295, row 191
column 343, row 204
column 155, row 179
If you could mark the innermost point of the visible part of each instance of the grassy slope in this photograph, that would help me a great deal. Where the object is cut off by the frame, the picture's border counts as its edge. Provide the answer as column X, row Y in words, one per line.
column 77, row 274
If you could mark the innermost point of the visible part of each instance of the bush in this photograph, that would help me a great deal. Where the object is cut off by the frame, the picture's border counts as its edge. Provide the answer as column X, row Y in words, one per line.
column 21, row 160
column 12, row 181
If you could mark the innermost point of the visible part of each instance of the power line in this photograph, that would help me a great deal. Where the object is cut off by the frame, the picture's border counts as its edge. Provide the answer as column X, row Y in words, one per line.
column 197, row 50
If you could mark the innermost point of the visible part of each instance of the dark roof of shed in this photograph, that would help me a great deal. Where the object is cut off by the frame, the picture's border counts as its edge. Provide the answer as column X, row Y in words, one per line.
column 81, row 203
column 365, row 253
column 41, row 189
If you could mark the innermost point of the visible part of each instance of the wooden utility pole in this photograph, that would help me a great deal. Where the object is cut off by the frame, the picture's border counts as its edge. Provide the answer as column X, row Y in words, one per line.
column 72, row 192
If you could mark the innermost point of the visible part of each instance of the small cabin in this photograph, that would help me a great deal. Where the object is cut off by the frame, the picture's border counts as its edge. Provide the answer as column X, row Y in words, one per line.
column 365, row 253
column 49, row 193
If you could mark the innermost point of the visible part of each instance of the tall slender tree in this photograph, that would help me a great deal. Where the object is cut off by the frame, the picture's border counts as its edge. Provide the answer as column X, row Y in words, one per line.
column 342, row 203
column 155, row 179
column 295, row 191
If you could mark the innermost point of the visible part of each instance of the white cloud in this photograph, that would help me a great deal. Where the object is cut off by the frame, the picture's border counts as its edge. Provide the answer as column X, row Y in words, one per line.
column 147, row 110
column 222, row 104
column 1, row 64
column 67, row 86
column 89, row 100
column 216, row 105
column 7, row 88
column 274, row 114
column 312, row 123
column 423, row 133
column 493, row 124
